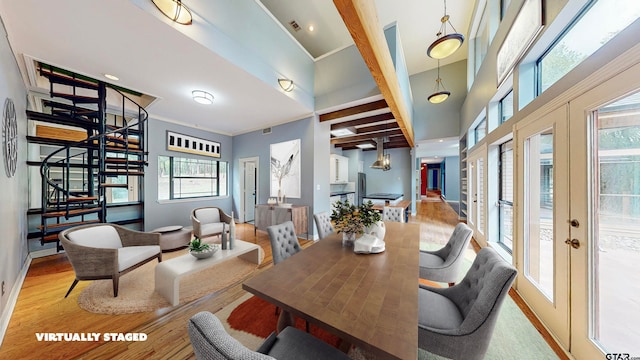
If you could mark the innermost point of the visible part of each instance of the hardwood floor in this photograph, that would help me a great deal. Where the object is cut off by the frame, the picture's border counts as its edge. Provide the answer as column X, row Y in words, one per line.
column 42, row 308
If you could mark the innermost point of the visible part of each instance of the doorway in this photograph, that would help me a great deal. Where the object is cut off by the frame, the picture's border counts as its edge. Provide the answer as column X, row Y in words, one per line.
column 248, row 188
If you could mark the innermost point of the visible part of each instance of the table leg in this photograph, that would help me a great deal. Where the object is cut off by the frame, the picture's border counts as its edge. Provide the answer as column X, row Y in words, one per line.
column 344, row 346
column 285, row 319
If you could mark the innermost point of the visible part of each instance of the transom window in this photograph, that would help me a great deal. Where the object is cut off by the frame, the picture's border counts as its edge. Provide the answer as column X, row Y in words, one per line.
column 183, row 178
column 506, row 107
column 481, row 130
column 595, row 26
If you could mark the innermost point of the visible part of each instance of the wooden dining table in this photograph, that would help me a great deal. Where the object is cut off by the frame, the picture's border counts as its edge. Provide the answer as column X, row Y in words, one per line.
column 368, row 300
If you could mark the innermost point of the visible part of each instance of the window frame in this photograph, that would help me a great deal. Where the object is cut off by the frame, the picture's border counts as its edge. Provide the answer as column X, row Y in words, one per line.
column 218, row 177
column 501, row 198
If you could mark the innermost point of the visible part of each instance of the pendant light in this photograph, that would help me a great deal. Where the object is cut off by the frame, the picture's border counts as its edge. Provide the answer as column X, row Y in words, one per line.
column 438, row 95
column 445, row 44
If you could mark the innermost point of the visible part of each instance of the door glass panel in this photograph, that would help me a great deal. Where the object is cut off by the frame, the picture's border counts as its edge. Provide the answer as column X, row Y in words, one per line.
column 506, row 195
column 539, row 231
column 480, row 191
column 615, row 231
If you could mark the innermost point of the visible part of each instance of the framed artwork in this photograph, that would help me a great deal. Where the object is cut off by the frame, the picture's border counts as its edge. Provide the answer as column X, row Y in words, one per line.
column 525, row 28
column 192, row 145
column 285, row 169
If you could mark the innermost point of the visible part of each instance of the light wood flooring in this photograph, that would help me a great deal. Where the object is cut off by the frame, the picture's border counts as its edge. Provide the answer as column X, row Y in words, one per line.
column 41, row 306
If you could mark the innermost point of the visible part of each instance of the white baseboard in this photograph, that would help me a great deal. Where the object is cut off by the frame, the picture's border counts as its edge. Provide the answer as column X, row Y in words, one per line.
column 13, row 298
column 43, row 253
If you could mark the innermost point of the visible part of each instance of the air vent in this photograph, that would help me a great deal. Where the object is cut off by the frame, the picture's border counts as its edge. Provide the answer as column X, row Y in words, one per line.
column 266, row 131
column 294, row 25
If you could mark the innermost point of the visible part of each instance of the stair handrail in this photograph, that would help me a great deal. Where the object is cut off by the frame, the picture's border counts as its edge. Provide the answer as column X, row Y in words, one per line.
column 142, row 118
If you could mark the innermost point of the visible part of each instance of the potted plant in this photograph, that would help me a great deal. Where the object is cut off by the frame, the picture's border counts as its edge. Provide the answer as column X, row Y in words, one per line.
column 352, row 220
column 200, row 249
column 372, row 220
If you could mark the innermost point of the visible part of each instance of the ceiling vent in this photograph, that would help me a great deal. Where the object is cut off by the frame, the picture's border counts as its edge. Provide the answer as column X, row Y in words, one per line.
column 294, row 25
column 266, row 131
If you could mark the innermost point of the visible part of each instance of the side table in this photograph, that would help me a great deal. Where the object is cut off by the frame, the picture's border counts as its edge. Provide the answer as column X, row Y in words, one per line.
column 174, row 237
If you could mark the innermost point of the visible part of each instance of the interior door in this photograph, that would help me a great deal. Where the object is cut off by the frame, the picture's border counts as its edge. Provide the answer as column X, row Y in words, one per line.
column 249, row 190
column 476, row 181
column 605, row 210
column 542, row 259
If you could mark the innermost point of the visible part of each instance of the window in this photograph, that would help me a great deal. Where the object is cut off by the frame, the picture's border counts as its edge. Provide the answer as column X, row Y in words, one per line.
column 504, row 5
column 481, row 41
column 481, row 130
column 594, row 27
column 505, row 196
column 506, row 107
column 183, row 178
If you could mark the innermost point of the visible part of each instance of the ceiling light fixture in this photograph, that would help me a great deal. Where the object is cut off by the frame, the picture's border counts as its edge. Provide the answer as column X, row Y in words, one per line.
column 366, row 146
column 286, row 84
column 202, row 97
column 438, row 95
column 343, row 131
column 174, row 10
column 311, row 28
column 445, row 45
column 111, row 77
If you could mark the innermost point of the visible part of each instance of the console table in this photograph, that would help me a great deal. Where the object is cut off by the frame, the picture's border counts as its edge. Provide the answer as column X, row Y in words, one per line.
column 267, row 215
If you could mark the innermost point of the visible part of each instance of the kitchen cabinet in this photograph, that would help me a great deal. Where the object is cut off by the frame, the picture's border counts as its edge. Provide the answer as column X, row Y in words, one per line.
column 351, row 197
column 338, row 169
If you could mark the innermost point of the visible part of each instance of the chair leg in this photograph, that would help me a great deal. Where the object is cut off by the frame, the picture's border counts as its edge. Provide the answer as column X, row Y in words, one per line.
column 451, row 284
column 116, row 277
column 75, row 282
column 277, row 311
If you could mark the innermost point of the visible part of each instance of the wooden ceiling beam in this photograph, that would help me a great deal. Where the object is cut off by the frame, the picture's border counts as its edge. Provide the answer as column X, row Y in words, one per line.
column 344, row 139
column 361, row 19
column 363, row 121
column 376, row 105
column 375, row 128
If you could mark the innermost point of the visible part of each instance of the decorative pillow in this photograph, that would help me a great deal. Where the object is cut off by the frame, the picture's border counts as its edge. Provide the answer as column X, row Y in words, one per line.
column 102, row 236
column 208, row 215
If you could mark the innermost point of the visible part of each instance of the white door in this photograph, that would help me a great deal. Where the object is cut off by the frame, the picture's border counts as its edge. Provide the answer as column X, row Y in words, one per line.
column 249, row 181
column 605, row 207
column 476, row 209
column 542, row 257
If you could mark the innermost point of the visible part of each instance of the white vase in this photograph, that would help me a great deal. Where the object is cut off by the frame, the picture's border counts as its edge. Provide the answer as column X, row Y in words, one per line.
column 377, row 229
column 348, row 239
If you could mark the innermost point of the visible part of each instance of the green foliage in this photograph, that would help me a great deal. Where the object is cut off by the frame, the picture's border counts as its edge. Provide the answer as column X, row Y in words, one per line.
column 197, row 245
column 349, row 218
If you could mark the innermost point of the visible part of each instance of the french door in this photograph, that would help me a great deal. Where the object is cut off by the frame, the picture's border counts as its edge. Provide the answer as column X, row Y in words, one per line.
column 578, row 218
column 605, row 207
column 542, row 258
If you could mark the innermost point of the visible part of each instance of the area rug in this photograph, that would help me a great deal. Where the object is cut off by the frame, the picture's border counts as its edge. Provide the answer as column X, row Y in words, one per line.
column 136, row 291
column 251, row 319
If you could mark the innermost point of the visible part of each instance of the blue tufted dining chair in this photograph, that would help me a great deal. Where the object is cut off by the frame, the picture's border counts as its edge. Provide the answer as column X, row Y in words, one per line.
column 323, row 223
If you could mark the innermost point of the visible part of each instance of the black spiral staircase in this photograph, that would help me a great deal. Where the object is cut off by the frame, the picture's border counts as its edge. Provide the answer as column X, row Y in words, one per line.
column 76, row 177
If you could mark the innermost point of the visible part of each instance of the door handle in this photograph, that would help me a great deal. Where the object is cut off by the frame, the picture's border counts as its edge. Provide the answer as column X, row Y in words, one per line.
column 575, row 243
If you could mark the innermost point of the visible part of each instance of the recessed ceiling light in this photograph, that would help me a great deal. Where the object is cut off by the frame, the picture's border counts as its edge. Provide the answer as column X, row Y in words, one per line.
column 440, row 140
column 311, row 28
column 365, row 146
column 343, row 131
column 111, row 77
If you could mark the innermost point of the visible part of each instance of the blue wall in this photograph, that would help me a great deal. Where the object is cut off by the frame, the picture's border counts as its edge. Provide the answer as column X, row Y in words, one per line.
column 452, row 178
column 178, row 212
column 396, row 180
column 255, row 144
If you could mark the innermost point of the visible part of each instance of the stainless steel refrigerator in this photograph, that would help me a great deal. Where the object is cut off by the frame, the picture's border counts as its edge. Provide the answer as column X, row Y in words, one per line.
column 361, row 187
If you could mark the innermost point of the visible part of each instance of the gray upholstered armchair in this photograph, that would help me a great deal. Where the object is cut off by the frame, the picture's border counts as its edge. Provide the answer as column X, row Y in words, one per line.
column 107, row 251
column 457, row 322
column 323, row 223
column 209, row 221
column 444, row 264
column 284, row 241
column 210, row 340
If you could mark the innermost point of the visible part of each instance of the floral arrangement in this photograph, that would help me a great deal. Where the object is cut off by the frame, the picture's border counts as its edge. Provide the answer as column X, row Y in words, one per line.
column 349, row 218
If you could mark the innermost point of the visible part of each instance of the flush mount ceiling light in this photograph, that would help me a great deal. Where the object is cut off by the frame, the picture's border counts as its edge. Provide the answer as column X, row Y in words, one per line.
column 286, row 84
column 438, row 95
column 111, row 77
column 202, row 97
column 445, row 44
column 174, row 10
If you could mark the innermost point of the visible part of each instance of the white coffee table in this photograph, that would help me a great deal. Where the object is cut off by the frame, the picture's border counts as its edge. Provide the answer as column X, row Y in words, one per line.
column 169, row 272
